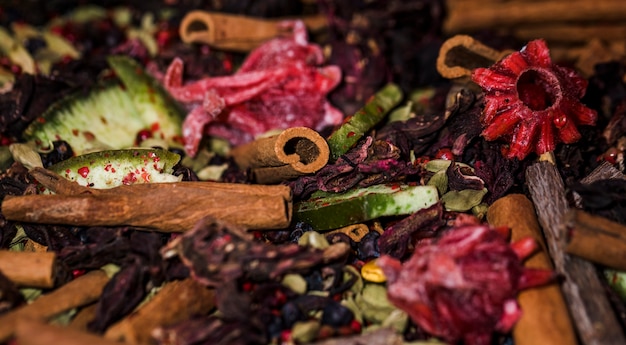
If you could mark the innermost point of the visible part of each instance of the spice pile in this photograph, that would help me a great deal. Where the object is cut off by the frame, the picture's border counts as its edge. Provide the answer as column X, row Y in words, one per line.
column 348, row 175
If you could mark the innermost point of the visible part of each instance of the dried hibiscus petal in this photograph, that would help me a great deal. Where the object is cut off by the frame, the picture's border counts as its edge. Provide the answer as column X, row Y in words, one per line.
column 531, row 102
column 463, row 286
column 281, row 84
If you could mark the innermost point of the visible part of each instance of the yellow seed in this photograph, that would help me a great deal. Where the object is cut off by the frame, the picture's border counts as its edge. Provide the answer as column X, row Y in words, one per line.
column 372, row 272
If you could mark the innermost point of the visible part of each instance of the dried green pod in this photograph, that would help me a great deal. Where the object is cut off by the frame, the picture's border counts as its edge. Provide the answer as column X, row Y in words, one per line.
column 295, row 283
column 463, row 200
column 364, row 120
column 305, row 331
column 26, row 154
column 439, row 180
column 374, row 304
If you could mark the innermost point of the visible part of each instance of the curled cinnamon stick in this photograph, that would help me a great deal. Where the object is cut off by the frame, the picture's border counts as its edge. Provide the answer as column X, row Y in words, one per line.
column 236, row 32
column 169, row 207
column 596, row 239
column 31, row 332
column 80, row 291
column 545, row 318
column 175, row 302
column 477, row 16
column 461, row 54
column 32, row 269
column 295, row 151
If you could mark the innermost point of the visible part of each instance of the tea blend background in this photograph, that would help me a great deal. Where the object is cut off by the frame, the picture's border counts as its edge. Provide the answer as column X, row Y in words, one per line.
column 298, row 285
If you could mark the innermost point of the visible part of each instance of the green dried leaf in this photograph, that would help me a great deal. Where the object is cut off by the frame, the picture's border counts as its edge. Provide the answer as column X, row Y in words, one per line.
column 463, row 200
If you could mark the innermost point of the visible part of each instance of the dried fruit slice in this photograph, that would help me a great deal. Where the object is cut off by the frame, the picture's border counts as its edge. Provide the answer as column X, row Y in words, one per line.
column 364, row 120
column 157, row 108
column 108, row 169
column 326, row 211
column 111, row 115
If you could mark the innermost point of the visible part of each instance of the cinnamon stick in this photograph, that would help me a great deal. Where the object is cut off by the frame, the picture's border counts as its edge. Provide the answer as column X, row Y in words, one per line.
column 294, row 152
column 571, row 32
column 80, row 291
column 510, row 14
column 81, row 320
column 177, row 301
column 461, row 54
column 237, row 32
column 169, row 207
column 31, row 332
column 584, row 293
column 545, row 318
column 596, row 239
column 32, row 269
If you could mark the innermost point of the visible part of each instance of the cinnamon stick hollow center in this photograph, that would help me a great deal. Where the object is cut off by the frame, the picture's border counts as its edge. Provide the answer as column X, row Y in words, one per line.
column 294, row 152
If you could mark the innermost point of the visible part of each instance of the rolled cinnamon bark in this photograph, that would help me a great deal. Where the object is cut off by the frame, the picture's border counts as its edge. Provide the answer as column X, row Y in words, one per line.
column 177, row 301
column 81, row 291
column 169, row 207
column 596, row 239
column 31, row 332
column 572, row 32
column 461, row 54
column 32, row 269
column 477, row 16
column 545, row 316
column 82, row 319
column 294, row 152
column 236, row 32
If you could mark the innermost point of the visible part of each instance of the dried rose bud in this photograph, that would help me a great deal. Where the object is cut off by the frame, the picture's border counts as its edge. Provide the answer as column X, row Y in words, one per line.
column 531, row 102
column 463, row 286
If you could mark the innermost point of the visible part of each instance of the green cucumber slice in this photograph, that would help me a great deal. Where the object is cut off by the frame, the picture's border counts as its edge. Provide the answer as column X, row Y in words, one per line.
column 158, row 110
column 108, row 169
column 104, row 118
column 110, row 115
column 364, row 120
column 332, row 211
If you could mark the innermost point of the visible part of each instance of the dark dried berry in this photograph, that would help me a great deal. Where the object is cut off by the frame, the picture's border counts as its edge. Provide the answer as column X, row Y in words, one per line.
column 368, row 246
column 336, row 315
column 290, row 313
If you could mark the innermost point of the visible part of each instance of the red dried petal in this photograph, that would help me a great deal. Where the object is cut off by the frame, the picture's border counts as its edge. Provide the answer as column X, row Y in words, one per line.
column 503, row 124
column 545, row 97
column 280, row 85
column 524, row 247
column 477, row 295
column 492, row 79
column 537, row 54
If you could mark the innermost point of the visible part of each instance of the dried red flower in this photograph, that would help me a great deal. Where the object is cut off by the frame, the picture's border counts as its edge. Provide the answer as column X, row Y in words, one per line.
column 463, row 286
column 532, row 102
column 281, row 84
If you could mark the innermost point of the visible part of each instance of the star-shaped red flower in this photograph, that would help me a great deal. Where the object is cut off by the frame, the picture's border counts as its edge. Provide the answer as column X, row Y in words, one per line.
column 531, row 102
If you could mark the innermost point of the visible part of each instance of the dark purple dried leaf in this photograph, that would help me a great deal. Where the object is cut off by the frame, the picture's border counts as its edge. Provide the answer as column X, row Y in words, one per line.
column 120, row 296
column 414, row 134
column 217, row 253
column 462, row 177
column 397, row 238
column 606, row 198
column 29, row 98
